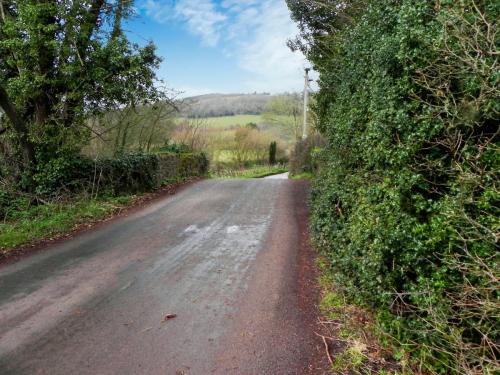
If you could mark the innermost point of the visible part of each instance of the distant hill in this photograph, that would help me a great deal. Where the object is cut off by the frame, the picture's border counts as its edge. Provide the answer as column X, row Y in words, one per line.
column 213, row 105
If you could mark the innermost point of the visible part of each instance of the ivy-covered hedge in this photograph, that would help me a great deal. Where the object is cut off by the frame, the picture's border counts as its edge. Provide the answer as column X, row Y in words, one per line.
column 304, row 157
column 124, row 174
column 406, row 204
column 182, row 165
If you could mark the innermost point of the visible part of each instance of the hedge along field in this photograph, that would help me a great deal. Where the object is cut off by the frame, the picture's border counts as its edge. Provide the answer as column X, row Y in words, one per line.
column 78, row 191
column 406, row 203
column 130, row 173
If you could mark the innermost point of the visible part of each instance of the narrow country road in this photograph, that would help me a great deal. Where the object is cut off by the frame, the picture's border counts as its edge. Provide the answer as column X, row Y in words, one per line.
column 228, row 257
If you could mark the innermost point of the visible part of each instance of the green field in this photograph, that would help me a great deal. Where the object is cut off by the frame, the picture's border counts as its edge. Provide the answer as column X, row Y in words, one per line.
column 258, row 171
column 228, row 121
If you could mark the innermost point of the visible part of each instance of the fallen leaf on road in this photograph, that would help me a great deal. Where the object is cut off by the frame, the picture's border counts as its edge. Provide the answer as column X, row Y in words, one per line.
column 169, row 316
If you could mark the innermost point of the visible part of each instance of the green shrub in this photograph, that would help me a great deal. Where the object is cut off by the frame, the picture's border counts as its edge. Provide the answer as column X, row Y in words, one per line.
column 128, row 173
column 145, row 172
column 123, row 174
column 11, row 202
column 407, row 196
column 273, row 147
column 174, row 148
column 63, row 173
column 303, row 158
column 193, row 164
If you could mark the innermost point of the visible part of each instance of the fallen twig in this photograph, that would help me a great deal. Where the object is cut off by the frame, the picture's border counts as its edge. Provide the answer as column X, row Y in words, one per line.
column 327, row 349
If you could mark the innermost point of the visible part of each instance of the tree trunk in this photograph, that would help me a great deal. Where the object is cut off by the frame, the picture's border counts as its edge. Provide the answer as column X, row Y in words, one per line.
column 19, row 127
column 89, row 24
column 117, row 30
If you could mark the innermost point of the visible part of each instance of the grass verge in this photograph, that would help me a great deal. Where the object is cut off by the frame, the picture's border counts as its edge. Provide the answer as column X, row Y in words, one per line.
column 252, row 172
column 52, row 219
column 32, row 225
column 352, row 342
column 302, row 176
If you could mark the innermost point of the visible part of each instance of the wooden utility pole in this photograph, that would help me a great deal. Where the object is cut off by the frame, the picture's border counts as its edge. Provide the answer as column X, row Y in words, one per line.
column 306, row 102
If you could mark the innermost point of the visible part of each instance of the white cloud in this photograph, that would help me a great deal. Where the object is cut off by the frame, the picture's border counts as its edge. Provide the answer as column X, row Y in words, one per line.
column 202, row 19
column 201, row 16
column 264, row 54
column 253, row 32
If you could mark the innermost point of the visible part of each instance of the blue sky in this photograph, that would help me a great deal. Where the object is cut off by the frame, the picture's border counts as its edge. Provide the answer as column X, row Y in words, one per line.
column 222, row 46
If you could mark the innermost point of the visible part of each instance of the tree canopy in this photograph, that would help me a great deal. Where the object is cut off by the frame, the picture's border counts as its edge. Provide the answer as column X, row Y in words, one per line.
column 60, row 62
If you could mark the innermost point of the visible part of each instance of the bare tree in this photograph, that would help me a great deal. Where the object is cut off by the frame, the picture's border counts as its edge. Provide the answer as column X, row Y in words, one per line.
column 286, row 112
column 192, row 133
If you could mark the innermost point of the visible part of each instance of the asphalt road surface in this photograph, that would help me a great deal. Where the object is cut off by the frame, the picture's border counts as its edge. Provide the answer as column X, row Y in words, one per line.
column 226, row 259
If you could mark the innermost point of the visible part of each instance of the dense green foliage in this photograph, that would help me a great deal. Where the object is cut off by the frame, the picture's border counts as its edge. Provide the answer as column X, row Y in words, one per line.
column 304, row 157
column 406, row 203
column 130, row 173
column 60, row 63
column 126, row 174
column 273, row 147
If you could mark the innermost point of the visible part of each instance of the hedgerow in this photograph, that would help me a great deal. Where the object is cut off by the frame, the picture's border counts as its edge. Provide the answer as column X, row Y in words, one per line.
column 124, row 174
column 406, row 203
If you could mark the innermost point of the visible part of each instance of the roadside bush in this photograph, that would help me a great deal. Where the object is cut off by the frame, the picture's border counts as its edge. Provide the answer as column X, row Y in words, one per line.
column 172, row 166
column 11, row 202
column 62, row 174
column 193, row 164
column 132, row 173
column 406, row 201
column 175, row 148
column 145, row 172
column 126, row 174
column 302, row 159
column 272, row 152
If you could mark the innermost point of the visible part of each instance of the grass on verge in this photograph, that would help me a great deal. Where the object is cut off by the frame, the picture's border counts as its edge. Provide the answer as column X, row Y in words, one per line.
column 349, row 331
column 302, row 176
column 252, row 172
column 53, row 219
